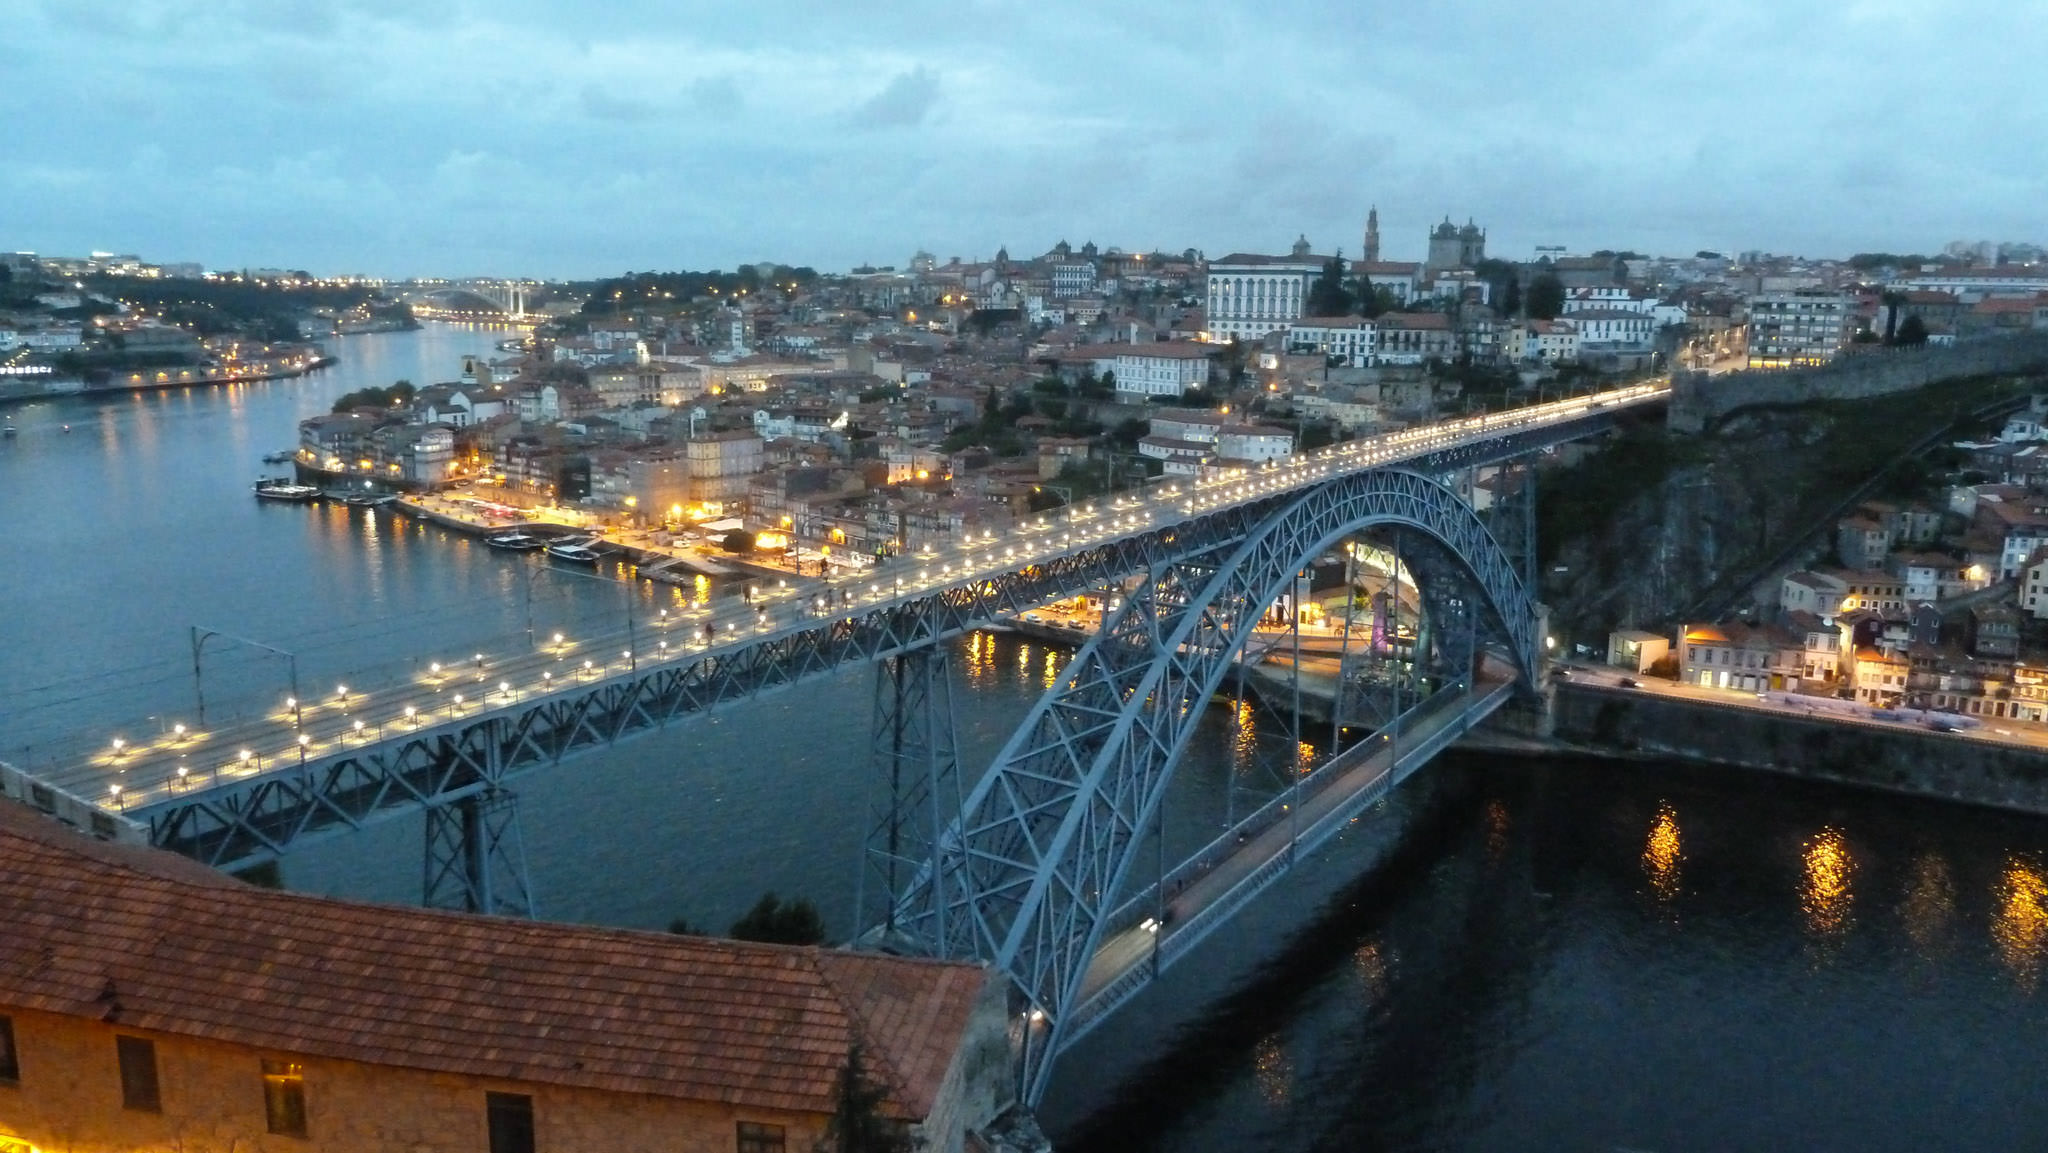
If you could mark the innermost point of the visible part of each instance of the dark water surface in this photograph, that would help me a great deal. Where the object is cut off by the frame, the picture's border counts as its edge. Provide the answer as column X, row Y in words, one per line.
column 1542, row 955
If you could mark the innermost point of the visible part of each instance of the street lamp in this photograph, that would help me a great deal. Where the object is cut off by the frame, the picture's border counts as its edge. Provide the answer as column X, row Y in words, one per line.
column 304, row 740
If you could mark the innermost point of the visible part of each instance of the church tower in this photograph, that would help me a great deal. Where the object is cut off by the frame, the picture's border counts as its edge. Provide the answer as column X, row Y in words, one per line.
column 1372, row 236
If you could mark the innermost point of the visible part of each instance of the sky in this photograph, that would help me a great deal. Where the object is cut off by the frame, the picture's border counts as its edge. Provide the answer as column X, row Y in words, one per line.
column 561, row 139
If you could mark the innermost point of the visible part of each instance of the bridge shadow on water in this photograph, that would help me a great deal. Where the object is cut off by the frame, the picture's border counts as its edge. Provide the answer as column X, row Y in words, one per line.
column 1442, row 846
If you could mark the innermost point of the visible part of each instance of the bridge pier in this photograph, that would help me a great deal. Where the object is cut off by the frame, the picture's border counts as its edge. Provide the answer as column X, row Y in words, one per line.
column 475, row 857
column 916, row 790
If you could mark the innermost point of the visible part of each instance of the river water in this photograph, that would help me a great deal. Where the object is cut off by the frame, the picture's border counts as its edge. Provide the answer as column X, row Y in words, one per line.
column 1514, row 955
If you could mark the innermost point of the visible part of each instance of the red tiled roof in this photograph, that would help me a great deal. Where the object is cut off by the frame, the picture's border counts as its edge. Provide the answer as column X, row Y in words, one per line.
column 152, row 942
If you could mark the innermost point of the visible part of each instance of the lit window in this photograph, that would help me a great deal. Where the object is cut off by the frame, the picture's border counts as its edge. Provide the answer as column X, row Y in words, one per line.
column 284, row 1097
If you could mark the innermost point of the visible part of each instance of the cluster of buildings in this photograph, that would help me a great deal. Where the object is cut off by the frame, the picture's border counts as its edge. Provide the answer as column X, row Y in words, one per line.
column 1931, row 605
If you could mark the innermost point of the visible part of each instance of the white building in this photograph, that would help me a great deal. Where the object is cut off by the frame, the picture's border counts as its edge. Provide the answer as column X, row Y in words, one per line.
column 1160, row 368
column 1611, row 328
column 1354, row 339
column 1250, row 296
column 1073, row 278
column 1191, row 425
column 1971, row 285
column 1255, row 443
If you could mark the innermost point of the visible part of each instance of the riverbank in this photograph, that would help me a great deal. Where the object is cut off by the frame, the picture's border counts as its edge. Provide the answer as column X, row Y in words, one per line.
column 1622, row 724
column 23, row 390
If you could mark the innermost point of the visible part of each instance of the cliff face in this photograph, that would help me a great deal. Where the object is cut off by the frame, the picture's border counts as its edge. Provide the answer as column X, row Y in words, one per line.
column 1659, row 524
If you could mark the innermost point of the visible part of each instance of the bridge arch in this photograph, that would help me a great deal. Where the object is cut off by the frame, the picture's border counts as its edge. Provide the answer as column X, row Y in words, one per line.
column 1028, row 875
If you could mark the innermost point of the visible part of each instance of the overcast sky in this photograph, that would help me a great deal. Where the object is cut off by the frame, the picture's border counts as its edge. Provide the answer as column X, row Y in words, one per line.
column 556, row 138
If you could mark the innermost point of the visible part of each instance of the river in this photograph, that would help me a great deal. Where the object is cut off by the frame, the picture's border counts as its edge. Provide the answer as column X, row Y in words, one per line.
column 1510, row 955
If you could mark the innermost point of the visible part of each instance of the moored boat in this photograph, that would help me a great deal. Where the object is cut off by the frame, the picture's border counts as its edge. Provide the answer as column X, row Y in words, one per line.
column 515, row 541
column 278, row 488
column 282, row 457
column 368, row 499
column 575, row 551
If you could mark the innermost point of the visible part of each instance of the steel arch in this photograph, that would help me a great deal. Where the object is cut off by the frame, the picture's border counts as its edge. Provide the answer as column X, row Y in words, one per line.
column 1028, row 876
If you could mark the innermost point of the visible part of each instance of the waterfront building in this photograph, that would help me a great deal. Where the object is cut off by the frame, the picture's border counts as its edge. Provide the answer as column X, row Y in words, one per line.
column 722, row 464
column 150, row 1003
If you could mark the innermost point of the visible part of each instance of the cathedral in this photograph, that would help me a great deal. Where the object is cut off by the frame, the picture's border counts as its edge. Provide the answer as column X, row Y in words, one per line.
column 1453, row 247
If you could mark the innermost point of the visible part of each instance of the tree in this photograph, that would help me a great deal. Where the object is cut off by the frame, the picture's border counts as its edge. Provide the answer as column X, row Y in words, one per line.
column 1328, row 296
column 1368, row 296
column 737, row 541
column 1511, row 297
column 682, row 927
column 1546, row 296
column 1912, row 331
column 796, row 923
column 857, row 1124
column 1893, row 300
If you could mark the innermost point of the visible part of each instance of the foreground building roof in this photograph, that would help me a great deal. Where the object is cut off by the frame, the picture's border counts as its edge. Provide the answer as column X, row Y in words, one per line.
column 146, row 940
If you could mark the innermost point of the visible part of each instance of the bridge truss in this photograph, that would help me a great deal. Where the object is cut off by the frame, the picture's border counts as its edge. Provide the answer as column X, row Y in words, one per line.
column 1028, row 875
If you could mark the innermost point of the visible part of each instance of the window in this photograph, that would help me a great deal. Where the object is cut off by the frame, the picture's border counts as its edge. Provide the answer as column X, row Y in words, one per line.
column 511, row 1118
column 284, row 1097
column 138, row 1074
column 755, row 1137
column 10, row 1065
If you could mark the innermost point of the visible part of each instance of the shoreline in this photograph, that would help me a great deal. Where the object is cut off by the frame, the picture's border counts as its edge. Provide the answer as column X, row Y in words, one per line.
column 89, row 390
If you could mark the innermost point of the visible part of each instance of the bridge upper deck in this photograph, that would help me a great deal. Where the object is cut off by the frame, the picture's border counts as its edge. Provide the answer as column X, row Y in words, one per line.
column 138, row 776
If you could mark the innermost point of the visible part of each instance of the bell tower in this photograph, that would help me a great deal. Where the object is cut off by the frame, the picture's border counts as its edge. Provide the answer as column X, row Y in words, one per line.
column 1371, row 252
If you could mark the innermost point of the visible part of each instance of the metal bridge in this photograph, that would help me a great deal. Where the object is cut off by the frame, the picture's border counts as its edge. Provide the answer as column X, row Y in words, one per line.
column 1032, row 866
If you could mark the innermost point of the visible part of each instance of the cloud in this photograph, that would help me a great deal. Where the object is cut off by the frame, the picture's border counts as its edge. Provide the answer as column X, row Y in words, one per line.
column 523, row 137
column 601, row 105
column 903, row 103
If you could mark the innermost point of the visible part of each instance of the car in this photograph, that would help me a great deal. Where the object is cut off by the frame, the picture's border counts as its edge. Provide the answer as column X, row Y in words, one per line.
column 1630, row 683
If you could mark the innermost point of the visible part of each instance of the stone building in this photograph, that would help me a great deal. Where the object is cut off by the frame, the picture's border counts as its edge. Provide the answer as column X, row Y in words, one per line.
column 149, row 1003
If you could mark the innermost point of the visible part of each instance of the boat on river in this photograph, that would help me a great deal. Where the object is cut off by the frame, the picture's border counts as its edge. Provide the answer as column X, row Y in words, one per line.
column 516, row 541
column 284, row 456
column 369, row 499
column 279, row 489
column 575, row 551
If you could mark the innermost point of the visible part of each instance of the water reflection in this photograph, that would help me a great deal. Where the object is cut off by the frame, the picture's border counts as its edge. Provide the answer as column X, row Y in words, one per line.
column 1497, row 824
column 1929, row 908
column 981, row 659
column 1052, row 670
column 1244, row 739
column 2020, row 926
column 1371, row 966
column 1275, row 1070
column 1662, row 854
column 1825, row 896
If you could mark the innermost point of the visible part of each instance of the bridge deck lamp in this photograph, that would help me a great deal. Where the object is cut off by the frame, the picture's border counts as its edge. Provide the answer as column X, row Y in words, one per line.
column 411, row 713
column 304, row 740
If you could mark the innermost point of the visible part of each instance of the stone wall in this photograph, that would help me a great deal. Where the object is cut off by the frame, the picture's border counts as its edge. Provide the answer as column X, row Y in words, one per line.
column 1698, row 400
column 1898, row 758
column 69, row 1101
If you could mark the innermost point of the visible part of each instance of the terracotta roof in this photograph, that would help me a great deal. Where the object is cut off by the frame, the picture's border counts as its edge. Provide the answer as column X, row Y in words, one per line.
column 153, row 942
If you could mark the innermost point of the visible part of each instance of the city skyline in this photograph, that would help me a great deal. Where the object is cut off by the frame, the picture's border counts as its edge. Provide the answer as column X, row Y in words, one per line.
column 383, row 139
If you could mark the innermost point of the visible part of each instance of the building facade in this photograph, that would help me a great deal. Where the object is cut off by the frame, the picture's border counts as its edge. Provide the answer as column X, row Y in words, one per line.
column 1798, row 328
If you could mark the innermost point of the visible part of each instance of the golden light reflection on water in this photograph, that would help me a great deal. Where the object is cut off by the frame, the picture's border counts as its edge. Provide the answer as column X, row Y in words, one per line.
column 981, row 659
column 1663, row 854
column 1024, row 659
column 1052, row 670
column 2020, row 927
column 1825, row 897
column 1497, row 823
column 1244, row 738
column 1929, row 908
column 1275, row 1070
column 1371, row 966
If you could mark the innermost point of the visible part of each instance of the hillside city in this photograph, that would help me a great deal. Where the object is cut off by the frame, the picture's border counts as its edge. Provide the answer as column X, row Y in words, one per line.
column 818, row 422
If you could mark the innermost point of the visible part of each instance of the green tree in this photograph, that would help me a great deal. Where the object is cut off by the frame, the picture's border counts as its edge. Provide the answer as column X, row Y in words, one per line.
column 1511, row 297
column 1328, row 296
column 770, row 920
column 857, row 1124
column 682, row 927
column 1912, row 331
column 738, row 540
column 1893, row 300
column 1546, row 296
